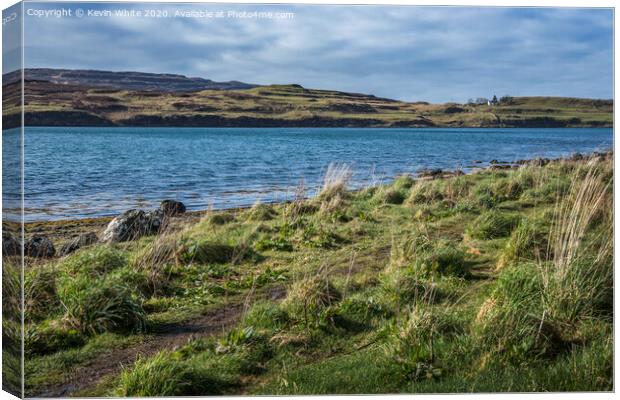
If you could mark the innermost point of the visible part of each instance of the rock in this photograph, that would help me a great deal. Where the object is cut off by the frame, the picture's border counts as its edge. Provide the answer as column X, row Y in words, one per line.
column 576, row 157
column 500, row 166
column 10, row 245
column 78, row 242
column 155, row 220
column 604, row 155
column 539, row 162
column 133, row 224
column 172, row 207
column 433, row 173
column 39, row 246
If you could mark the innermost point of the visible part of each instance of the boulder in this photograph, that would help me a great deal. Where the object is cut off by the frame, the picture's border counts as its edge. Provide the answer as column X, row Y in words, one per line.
column 10, row 245
column 39, row 246
column 85, row 239
column 133, row 224
column 155, row 220
column 539, row 162
column 576, row 157
column 172, row 207
column 496, row 167
column 430, row 173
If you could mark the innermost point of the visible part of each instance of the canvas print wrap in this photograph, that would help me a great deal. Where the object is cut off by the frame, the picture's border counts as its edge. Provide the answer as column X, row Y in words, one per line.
column 213, row 199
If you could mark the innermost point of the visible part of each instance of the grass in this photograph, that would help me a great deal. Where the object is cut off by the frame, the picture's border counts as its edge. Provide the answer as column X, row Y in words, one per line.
column 165, row 375
column 493, row 224
column 106, row 305
column 528, row 241
column 308, row 299
column 496, row 281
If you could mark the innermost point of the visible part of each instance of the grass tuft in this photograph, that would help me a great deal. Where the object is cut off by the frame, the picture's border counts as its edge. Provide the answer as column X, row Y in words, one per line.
column 578, row 279
column 95, row 306
column 166, row 375
column 335, row 181
column 529, row 241
column 309, row 298
column 261, row 212
column 96, row 261
column 493, row 224
column 221, row 218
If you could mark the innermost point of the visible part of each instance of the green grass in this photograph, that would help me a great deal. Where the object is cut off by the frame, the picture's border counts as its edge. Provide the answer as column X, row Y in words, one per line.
column 493, row 224
column 466, row 285
column 165, row 375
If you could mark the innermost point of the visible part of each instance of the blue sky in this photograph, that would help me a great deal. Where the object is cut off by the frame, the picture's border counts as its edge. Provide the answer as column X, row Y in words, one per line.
column 434, row 54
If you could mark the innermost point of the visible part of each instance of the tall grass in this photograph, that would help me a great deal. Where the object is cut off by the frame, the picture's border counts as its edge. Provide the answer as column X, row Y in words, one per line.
column 578, row 278
column 95, row 306
column 529, row 241
column 308, row 299
column 336, row 181
column 539, row 309
column 156, row 259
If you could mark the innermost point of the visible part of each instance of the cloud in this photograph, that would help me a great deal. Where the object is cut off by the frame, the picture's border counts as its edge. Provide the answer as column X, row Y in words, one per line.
column 412, row 53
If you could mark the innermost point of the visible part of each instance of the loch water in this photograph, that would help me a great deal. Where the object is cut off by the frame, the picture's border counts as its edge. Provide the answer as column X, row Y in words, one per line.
column 87, row 172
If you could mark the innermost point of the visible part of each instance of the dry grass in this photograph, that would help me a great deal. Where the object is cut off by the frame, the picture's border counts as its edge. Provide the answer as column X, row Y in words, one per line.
column 154, row 260
column 310, row 297
column 335, row 181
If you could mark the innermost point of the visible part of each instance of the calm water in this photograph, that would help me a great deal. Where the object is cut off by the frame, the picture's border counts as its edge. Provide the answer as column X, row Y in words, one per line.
column 80, row 172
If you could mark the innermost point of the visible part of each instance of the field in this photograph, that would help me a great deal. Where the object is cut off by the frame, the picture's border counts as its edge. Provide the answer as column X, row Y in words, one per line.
column 497, row 281
column 53, row 104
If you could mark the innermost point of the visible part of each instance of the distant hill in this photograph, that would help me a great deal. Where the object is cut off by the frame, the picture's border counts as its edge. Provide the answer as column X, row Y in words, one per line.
column 99, row 98
column 123, row 80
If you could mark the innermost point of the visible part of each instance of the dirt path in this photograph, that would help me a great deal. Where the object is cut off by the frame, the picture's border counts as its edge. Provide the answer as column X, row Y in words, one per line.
column 110, row 363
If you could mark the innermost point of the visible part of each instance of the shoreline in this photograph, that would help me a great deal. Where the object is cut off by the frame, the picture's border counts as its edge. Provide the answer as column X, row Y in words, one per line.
column 62, row 230
column 7, row 127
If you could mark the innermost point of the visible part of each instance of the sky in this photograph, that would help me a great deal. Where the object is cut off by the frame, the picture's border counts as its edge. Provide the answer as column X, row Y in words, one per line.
column 435, row 54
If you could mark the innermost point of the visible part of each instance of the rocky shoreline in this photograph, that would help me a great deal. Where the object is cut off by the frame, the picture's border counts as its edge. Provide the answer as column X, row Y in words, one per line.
column 49, row 239
column 86, row 119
